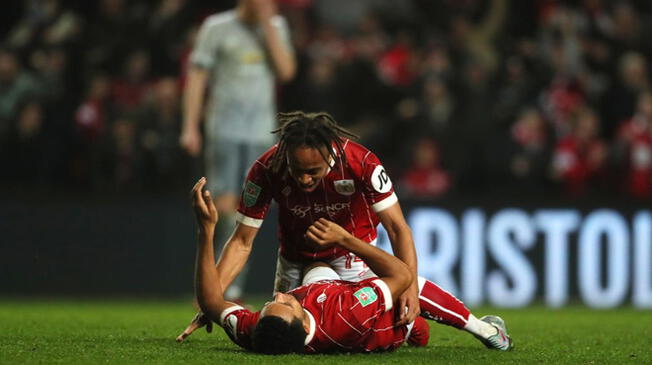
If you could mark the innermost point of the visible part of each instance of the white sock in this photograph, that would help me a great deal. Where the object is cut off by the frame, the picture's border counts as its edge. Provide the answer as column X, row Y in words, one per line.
column 479, row 328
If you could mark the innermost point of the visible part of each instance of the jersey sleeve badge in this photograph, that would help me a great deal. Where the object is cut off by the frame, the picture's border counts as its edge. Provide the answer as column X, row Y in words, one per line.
column 251, row 193
column 366, row 296
column 380, row 181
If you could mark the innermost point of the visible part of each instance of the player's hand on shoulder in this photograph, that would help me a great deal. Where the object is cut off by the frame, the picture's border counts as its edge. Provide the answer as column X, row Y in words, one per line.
column 324, row 233
column 203, row 205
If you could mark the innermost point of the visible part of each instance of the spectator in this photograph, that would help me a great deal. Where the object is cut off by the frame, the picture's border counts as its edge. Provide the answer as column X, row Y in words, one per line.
column 118, row 165
column 630, row 30
column 90, row 124
column 16, row 85
column 320, row 91
column 161, row 127
column 620, row 100
column 45, row 23
column 528, row 158
column 518, row 89
column 397, row 65
column 167, row 29
column 130, row 91
column 461, row 71
column 359, row 80
column 476, row 39
column 28, row 155
column 50, row 66
column 113, row 23
column 579, row 158
column 91, row 115
column 634, row 143
column 425, row 178
column 437, row 105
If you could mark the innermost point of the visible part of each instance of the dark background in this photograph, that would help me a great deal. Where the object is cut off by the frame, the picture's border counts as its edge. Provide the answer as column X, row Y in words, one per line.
column 90, row 208
column 145, row 246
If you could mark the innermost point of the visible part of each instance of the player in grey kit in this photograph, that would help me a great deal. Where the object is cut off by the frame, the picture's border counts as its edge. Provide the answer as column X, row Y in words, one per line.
column 240, row 53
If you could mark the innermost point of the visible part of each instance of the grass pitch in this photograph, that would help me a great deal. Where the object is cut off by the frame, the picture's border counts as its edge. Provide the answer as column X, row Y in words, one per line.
column 143, row 332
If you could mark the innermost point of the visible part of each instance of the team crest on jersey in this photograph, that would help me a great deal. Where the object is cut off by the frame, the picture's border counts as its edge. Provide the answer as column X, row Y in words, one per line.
column 321, row 298
column 251, row 193
column 366, row 296
column 286, row 191
column 345, row 187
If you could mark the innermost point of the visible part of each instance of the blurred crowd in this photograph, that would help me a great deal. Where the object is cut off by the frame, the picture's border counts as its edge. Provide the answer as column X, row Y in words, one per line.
column 455, row 96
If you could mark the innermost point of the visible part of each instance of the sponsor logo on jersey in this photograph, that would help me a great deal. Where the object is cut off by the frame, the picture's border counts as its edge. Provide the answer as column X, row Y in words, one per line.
column 321, row 298
column 330, row 208
column 366, row 296
column 251, row 193
column 380, row 181
column 345, row 187
column 302, row 210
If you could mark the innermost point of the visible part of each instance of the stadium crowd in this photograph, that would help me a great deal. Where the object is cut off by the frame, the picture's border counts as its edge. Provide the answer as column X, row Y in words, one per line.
column 456, row 96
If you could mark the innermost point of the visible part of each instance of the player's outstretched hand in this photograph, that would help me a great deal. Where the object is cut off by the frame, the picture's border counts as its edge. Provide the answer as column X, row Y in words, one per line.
column 203, row 205
column 324, row 233
column 199, row 321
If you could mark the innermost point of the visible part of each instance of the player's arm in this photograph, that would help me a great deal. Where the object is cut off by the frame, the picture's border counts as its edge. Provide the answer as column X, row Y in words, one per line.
column 193, row 102
column 400, row 236
column 390, row 269
column 235, row 253
column 282, row 58
column 208, row 289
column 254, row 202
column 209, row 278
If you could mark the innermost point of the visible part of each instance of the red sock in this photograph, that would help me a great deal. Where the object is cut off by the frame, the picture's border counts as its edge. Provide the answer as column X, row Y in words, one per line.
column 420, row 333
column 440, row 305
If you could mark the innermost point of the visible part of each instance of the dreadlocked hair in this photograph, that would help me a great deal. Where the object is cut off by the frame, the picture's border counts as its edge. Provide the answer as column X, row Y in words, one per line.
column 313, row 130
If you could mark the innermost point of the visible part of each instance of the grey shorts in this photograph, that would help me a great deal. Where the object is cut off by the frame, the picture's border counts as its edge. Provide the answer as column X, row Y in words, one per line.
column 227, row 164
column 289, row 274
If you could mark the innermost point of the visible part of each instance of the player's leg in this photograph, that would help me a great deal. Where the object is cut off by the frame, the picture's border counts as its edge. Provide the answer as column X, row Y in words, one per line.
column 441, row 306
column 318, row 271
column 351, row 268
column 288, row 275
column 419, row 333
column 223, row 160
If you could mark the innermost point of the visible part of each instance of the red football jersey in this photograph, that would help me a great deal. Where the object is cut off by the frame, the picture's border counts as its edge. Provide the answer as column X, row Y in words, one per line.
column 349, row 195
column 573, row 163
column 637, row 136
column 344, row 316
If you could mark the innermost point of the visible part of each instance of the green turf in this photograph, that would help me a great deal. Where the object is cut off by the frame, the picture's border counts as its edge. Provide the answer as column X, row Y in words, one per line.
column 143, row 332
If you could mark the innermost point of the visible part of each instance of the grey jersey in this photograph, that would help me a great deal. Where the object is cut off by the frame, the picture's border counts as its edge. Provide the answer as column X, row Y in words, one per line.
column 242, row 97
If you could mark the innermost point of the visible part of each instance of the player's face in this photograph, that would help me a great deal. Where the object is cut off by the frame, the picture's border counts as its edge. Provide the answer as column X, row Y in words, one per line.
column 285, row 306
column 307, row 166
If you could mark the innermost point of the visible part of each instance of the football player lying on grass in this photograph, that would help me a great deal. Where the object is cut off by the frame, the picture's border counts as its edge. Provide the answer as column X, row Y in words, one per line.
column 327, row 314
